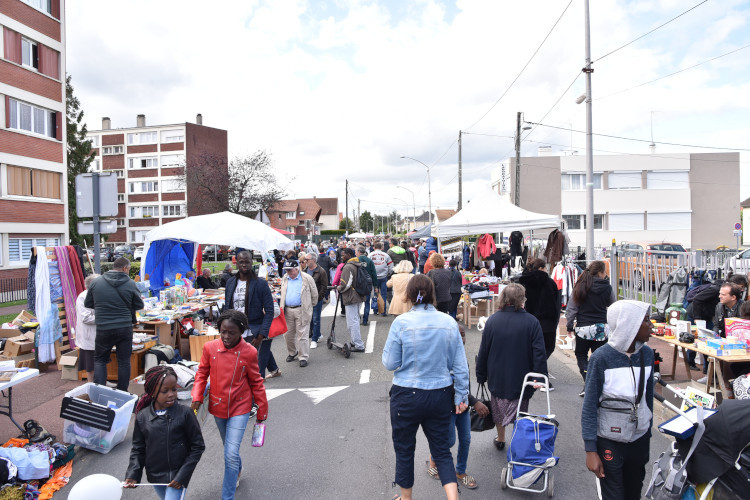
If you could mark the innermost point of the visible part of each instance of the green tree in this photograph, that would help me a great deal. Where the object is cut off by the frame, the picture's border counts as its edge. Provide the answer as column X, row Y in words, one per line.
column 79, row 156
column 365, row 221
column 345, row 223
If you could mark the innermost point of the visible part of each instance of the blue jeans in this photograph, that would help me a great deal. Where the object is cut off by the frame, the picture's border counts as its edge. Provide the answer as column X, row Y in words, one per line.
column 167, row 493
column 367, row 308
column 381, row 285
column 462, row 421
column 231, row 431
column 316, row 319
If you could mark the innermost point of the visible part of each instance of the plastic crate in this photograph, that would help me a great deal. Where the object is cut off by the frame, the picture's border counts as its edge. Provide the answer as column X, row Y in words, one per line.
column 102, row 399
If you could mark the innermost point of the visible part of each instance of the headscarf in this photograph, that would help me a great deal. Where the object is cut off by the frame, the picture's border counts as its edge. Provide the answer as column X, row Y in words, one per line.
column 625, row 318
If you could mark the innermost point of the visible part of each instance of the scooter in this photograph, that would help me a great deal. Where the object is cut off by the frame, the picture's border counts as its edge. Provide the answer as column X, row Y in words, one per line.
column 344, row 347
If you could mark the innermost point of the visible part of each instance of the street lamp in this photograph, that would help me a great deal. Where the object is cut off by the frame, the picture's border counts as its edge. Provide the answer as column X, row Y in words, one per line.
column 429, row 186
column 414, row 207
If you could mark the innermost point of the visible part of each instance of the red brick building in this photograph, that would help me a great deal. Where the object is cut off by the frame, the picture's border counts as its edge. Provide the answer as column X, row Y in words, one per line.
column 305, row 216
column 149, row 162
column 33, row 180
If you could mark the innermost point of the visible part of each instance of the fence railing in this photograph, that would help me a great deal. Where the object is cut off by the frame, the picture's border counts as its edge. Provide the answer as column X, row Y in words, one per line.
column 12, row 289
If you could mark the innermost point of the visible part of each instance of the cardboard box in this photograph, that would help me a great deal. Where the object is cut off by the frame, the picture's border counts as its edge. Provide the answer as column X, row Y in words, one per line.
column 23, row 317
column 25, row 361
column 196, row 345
column 136, row 385
column 17, row 346
column 68, row 365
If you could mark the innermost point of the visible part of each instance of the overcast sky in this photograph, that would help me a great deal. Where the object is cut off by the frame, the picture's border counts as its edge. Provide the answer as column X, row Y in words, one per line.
column 342, row 89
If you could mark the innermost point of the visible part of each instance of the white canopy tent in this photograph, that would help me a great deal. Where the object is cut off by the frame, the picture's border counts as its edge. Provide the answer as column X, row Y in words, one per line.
column 358, row 235
column 223, row 228
column 491, row 213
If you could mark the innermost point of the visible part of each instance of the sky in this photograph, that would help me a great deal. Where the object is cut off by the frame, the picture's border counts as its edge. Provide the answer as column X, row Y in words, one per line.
column 342, row 89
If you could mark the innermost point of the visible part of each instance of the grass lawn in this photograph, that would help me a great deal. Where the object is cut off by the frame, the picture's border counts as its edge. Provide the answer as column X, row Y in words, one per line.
column 13, row 303
column 7, row 318
column 216, row 267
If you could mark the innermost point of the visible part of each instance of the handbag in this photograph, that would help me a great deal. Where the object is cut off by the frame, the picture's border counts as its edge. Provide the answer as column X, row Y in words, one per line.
column 278, row 325
column 478, row 422
column 618, row 417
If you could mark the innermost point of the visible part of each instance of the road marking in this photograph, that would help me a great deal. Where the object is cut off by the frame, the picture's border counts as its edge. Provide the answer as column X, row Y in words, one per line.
column 318, row 394
column 370, row 346
column 364, row 377
column 274, row 393
column 330, row 309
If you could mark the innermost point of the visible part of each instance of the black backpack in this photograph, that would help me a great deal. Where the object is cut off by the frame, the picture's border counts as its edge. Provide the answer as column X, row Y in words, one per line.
column 363, row 281
column 704, row 302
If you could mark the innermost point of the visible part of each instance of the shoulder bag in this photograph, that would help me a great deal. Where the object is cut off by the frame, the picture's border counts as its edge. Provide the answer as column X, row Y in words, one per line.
column 618, row 417
column 478, row 422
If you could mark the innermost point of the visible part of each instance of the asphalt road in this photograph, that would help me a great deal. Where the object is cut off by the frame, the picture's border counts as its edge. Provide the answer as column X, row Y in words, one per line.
column 328, row 434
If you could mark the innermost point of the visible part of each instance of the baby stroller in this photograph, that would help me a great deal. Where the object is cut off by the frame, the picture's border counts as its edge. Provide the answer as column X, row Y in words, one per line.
column 530, row 454
column 717, row 454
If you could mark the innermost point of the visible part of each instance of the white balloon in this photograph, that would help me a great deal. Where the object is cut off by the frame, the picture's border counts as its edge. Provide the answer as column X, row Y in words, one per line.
column 97, row 487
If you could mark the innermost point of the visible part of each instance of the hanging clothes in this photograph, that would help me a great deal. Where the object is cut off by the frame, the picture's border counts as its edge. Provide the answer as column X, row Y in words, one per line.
column 31, row 285
column 516, row 244
column 50, row 329
column 486, row 246
column 76, row 269
column 565, row 277
column 555, row 247
column 466, row 258
column 68, row 287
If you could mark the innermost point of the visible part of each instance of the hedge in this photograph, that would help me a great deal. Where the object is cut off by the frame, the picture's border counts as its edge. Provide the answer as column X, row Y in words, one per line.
column 135, row 268
column 332, row 232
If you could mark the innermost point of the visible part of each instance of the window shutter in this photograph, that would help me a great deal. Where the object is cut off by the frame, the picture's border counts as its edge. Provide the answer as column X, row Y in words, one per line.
column 49, row 62
column 55, row 4
column 58, row 119
column 12, row 44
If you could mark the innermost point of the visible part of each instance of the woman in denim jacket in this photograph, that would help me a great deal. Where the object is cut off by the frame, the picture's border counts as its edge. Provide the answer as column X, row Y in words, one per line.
column 423, row 347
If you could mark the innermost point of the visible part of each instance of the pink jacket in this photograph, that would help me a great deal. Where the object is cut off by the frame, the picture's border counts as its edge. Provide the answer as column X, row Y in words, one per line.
column 337, row 277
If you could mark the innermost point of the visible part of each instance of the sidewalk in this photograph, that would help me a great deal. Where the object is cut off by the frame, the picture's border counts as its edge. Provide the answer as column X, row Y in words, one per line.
column 12, row 309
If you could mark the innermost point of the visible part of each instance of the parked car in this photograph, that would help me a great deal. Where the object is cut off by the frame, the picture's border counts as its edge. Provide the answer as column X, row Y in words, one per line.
column 106, row 254
column 138, row 253
column 124, row 251
column 639, row 259
column 739, row 263
column 210, row 252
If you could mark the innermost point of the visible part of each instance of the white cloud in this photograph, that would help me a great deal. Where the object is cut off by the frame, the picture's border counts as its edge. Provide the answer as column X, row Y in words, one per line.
column 341, row 89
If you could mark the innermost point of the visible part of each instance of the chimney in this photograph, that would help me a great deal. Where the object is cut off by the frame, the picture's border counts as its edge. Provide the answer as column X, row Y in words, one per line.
column 106, row 123
column 140, row 121
column 199, row 119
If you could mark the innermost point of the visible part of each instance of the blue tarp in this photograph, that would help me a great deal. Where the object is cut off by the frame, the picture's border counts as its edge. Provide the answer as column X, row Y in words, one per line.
column 165, row 259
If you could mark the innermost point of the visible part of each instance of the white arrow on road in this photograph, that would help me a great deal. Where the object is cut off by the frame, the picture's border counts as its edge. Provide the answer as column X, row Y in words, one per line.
column 318, row 394
column 370, row 346
column 274, row 393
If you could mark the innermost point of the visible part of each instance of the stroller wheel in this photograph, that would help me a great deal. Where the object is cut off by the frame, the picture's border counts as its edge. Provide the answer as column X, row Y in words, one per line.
column 504, row 478
column 347, row 351
column 329, row 342
column 551, row 486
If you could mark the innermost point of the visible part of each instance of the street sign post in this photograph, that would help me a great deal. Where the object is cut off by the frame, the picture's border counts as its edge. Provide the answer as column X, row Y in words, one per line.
column 737, row 233
column 96, row 196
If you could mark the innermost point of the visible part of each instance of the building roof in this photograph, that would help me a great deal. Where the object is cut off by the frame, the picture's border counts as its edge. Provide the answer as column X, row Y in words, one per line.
column 310, row 206
column 444, row 214
column 328, row 206
column 424, row 217
column 745, row 204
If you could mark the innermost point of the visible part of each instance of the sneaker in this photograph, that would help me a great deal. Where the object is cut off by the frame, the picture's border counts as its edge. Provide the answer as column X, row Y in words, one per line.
column 583, row 392
column 703, row 379
column 365, row 323
column 302, row 363
column 238, row 478
column 551, row 388
column 694, row 367
column 290, row 358
column 313, row 344
column 357, row 349
column 253, row 410
column 275, row 374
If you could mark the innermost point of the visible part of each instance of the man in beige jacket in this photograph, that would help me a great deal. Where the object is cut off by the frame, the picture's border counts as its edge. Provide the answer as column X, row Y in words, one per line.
column 298, row 297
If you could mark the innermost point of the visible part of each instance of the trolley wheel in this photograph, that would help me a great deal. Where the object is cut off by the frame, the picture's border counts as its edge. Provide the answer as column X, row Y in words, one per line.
column 347, row 351
column 504, row 478
column 329, row 342
column 551, row 486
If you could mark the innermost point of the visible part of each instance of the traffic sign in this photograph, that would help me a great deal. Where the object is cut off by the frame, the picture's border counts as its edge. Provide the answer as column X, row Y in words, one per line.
column 738, row 226
column 737, row 232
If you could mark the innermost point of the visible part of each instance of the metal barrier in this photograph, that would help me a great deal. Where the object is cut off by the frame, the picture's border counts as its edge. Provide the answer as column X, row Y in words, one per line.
column 12, row 289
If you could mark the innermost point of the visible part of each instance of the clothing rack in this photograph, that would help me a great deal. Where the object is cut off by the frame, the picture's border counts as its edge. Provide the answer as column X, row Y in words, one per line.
column 62, row 346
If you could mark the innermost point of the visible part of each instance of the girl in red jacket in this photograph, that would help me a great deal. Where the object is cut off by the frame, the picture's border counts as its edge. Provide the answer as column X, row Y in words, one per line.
column 232, row 365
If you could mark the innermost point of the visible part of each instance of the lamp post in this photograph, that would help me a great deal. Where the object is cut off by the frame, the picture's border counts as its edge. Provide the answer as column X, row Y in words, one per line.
column 429, row 185
column 414, row 207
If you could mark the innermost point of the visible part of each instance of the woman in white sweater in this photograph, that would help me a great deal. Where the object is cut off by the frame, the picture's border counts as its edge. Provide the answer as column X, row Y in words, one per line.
column 85, row 332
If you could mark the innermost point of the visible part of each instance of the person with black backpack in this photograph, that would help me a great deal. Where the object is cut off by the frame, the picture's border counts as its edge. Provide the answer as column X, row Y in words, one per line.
column 352, row 275
column 368, row 266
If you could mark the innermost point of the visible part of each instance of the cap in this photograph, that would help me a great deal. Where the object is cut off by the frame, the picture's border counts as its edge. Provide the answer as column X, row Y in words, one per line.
column 291, row 264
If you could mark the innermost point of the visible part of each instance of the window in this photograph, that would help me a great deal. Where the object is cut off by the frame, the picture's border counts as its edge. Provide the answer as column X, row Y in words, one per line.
column 112, row 150
column 171, row 210
column 668, row 180
column 19, row 249
column 142, row 162
column 572, row 221
column 95, row 166
column 138, row 236
column 140, row 212
column 141, row 138
column 171, row 185
column 579, row 221
column 120, row 174
column 625, row 180
column 120, row 222
column 32, row 119
column 170, row 160
column 94, row 139
column 301, row 213
column 43, row 5
column 666, row 221
column 144, row 187
column 626, row 222
column 279, row 215
column 32, row 182
column 172, row 136
column 120, row 198
column 29, row 53
column 577, row 182
column 290, row 215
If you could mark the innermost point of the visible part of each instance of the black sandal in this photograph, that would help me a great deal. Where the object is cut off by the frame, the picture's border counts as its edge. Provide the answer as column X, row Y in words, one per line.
column 500, row 445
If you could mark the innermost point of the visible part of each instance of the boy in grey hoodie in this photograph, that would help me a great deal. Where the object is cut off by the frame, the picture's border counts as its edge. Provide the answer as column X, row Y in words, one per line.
column 617, row 442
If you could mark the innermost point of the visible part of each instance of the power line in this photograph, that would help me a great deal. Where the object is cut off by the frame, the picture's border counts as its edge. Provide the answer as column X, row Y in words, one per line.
column 649, row 32
column 672, row 74
column 524, row 68
column 641, row 140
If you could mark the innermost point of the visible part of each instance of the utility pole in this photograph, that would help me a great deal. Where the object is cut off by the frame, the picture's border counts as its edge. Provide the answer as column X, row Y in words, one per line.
column 589, row 146
column 459, row 170
column 346, row 210
column 517, row 197
column 358, row 214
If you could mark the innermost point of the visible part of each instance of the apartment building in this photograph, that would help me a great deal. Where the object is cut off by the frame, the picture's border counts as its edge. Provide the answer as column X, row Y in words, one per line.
column 33, row 180
column 688, row 198
column 305, row 216
column 150, row 162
